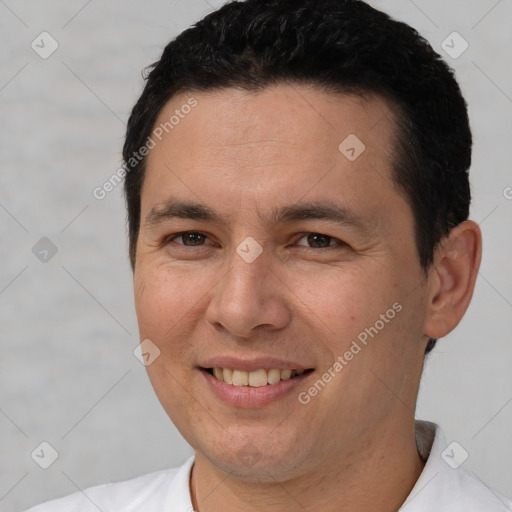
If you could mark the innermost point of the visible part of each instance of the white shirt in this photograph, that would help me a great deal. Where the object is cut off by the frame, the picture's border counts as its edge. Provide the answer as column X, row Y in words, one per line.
column 440, row 488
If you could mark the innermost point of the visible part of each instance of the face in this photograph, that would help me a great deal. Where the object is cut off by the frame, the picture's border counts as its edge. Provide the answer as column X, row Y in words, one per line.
column 271, row 240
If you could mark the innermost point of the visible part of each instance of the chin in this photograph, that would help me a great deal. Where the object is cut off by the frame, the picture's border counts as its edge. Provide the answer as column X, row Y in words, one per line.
column 254, row 458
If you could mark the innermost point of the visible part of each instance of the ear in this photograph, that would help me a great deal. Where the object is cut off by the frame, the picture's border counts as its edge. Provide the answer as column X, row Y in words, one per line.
column 452, row 278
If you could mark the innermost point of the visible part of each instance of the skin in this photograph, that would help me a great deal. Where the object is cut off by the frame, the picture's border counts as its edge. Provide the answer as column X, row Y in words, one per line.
column 244, row 154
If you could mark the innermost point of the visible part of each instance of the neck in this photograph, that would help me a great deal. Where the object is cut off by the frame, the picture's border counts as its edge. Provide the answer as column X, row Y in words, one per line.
column 381, row 470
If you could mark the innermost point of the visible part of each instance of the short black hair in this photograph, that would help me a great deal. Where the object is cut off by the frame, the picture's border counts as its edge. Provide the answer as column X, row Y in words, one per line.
column 339, row 46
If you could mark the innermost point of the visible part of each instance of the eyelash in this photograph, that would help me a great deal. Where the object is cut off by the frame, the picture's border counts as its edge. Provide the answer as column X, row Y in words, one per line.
column 336, row 241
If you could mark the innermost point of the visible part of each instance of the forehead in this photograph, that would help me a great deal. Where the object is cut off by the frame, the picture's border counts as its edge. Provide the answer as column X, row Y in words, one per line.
column 284, row 142
column 278, row 114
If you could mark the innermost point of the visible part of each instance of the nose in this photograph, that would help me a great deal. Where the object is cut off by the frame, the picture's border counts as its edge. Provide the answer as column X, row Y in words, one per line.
column 249, row 297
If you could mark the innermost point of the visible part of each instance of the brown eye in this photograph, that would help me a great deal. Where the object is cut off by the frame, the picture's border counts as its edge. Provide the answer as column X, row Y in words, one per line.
column 189, row 238
column 318, row 241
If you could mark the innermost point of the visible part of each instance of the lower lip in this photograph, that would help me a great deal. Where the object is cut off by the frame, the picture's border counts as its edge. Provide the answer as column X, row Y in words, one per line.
column 248, row 397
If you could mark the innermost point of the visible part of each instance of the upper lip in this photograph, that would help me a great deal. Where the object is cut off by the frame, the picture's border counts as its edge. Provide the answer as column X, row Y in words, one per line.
column 253, row 364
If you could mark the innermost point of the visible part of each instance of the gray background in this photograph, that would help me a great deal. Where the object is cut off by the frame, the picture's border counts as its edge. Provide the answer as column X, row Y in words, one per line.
column 67, row 372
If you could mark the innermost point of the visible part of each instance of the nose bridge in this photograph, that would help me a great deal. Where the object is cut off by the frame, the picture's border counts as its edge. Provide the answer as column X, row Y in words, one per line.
column 247, row 281
column 248, row 295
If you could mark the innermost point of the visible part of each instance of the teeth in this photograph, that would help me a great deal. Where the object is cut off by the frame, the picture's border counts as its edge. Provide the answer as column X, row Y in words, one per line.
column 286, row 374
column 256, row 379
column 228, row 375
column 240, row 378
column 274, row 376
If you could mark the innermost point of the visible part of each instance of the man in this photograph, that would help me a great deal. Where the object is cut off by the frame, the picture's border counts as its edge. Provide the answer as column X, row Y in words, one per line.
column 298, row 197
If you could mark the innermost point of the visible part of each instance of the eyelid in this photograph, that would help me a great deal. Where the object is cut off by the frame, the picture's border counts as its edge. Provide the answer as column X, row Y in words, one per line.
column 337, row 241
column 170, row 238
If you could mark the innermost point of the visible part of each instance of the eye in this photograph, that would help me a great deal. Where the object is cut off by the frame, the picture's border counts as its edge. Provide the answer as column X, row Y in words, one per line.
column 189, row 238
column 320, row 241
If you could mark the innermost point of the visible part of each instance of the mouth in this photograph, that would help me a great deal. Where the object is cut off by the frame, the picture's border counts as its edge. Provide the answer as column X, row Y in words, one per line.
column 255, row 379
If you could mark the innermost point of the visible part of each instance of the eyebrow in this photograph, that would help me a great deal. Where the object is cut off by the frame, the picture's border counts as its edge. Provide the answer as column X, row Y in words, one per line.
column 175, row 208
column 316, row 210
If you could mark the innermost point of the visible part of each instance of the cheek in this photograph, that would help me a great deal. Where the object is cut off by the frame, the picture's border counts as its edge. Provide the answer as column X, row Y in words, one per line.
column 172, row 388
column 165, row 300
column 166, row 304
column 343, row 303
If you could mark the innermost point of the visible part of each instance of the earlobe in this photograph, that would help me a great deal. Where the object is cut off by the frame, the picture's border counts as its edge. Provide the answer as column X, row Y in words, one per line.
column 452, row 278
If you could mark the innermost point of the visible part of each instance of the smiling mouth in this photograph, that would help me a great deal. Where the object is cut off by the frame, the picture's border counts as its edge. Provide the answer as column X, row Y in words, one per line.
column 255, row 379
